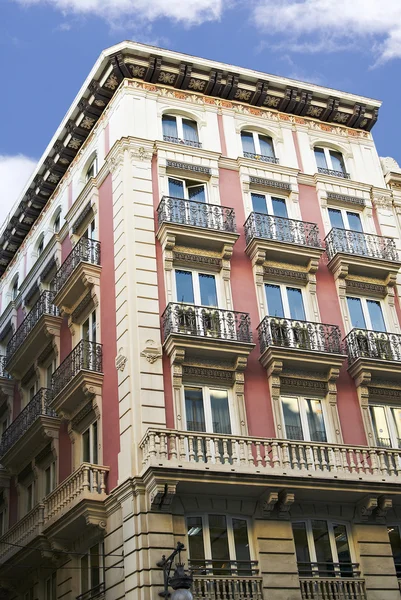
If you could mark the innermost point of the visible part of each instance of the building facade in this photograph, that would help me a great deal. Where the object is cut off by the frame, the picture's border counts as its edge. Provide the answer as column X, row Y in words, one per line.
column 200, row 342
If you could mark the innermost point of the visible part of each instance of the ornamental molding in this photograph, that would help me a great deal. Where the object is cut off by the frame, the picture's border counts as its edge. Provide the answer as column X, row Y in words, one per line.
column 295, row 382
column 334, row 197
column 271, row 183
column 384, row 202
column 353, row 285
column 121, row 359
column 384, row 392
column 152, row 352
column 202, row 373
column 173, row 164
column 187, row 257
column 270, row 272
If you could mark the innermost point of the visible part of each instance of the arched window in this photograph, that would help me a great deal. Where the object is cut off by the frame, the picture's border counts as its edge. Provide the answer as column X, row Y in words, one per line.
column 14, row 289
column 330, row 162
column 92, row 170
column 56, row 224
column 41, row 245
column 257, row 145
column 180, row 130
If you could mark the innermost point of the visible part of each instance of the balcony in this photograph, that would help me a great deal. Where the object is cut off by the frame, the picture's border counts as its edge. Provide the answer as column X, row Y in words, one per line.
column 18, row 546
column 176, row 140
column 42, row 323
column 331, row 581
column 378, row 352
column 78, row 501
column 283, row 240
column 96, row 593
column 300, row 344
column 333, row 173
column 6, row 383
column 262, row 157
column 78, row 377
column 238, row 580
column 3, row 371
column 171, row 449
column 33, row 428
column 80, row 270
column 362, row 254
column 204, row 225
column 205, row 330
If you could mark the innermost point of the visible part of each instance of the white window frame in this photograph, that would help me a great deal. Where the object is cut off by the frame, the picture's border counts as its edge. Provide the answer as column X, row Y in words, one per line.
column 365, row 311
column 207, row 407
column 284, row 299
column 269, row 203
column 344, row 214
column 391, row 425
column 196, row 286
column 93, row 165
column 303, row 416
column 180, row 129
column 327, row 157
column 100, row 546
column 256, row 142
column 51, row 468
column 92, row 319
column 90, row 429
column 187, row 187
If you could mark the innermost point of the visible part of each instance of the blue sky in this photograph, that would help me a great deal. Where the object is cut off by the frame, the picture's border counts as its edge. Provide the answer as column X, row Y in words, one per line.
column 47, row 48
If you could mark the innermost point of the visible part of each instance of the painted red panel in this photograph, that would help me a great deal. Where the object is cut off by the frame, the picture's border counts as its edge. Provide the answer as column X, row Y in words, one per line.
column 330, row 312
column 110, row 409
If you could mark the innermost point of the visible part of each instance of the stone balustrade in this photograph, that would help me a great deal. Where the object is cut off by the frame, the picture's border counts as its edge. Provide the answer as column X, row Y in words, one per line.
column 330, row 588
column 212, row 587
column 22, row 533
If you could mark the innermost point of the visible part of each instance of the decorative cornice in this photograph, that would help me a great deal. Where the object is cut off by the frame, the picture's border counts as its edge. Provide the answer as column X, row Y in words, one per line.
column 173, row 164
column 294, row 382
column 204, row 373
column 277, row 273
column 271, row 183
column 344, row 198
column 353, row 285
column 187, row 257
column 385, row 392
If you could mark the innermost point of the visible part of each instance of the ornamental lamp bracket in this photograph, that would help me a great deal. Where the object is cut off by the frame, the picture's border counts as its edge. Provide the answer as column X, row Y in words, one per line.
column 181, row 581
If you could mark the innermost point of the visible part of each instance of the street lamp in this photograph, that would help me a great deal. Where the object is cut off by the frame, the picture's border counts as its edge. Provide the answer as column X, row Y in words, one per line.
column 181, row 581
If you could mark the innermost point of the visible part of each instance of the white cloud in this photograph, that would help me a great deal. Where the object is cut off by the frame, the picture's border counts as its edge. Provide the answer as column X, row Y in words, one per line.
column 191, row 12
column 331, row 26
column 14, row 173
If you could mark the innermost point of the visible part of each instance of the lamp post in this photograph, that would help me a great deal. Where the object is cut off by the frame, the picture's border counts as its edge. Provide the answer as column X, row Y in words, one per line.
column 181, row 581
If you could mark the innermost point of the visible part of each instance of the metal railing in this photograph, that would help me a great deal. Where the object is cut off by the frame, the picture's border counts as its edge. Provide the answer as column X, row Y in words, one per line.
column 267, row 455
column 364, row 343
column 334, row 173
column 331, row 581
column 264, row 158
column 360, row 244
column 43, row 306
column 37, row 407
column 206, row 321
column 85, row 250
column 85, row 356
column 291, row 231
column 94, row 594
column 3, row 372
column 304, row 335
column 223, row 567
column 196, row 214
column 176, row 140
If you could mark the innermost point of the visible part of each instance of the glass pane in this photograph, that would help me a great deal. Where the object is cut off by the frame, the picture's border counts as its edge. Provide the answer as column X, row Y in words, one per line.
column 322, row 547
column 196, row 545
column 380, row 426
column 190, row 130
column 185, row 290
column 95, row 566
column 85, row 330
column 259, row 203
column 241, row 543
column 356, row 314
column 343, row 551
column 292, row 419
column 337, row 161
column 266, row 146
column 94, row 443
column 197, row 192
column 86, row 446
column 354, row 221
column 247, row 142
column 175, row 188
column 395, row 541
column 194, row 409
column 296, row 303
column 320, row 158
column 219, row 544
column 279, row 207
column 84, row 573
column 314, row 413
column 376, row 315
column 301, row 548
column 274, row 302
column 396, row 414
column 220, row 411
column 336, row 218
column 208, row 293
column 169, row 126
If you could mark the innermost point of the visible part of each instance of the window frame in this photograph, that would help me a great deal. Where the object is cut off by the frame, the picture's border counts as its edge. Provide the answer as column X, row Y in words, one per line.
column 327, row 157
column 344, row 215
column 365, row 312
column 269, row 203
column 397, row 565
column 180, row 129
column 390, row 422
column 256, row 142
column 92, row 449
column 284, row 301
column 186, row 187
column 304, row 418
column 50, row 593
column 92, row 165
column 207, row 408
column 196, row 286
column 87, row 555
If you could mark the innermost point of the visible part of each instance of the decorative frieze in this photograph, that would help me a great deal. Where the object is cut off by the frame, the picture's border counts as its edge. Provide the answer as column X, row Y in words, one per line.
column 202, row 259
column 206, row 373
column 344, row 198
column 173, row 164
column 270, row 272
column 272, row 183
column 311, row 384
column 364, row 287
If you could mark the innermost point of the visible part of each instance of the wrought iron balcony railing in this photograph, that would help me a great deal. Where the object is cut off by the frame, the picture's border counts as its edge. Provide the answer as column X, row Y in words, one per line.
column 37, row 407
column 86, row 250
column 303, row 335
column 334, row 173
column 176, row 140
column 44, row 306
column 360, row 244
column 264, row 158
column 196, row 214
column 269, row 227
column 363, row 343
column 86, row 356
column 206, row 321
column 329, row 581
column 96, row 593
column 3, row 372
column 231, row 580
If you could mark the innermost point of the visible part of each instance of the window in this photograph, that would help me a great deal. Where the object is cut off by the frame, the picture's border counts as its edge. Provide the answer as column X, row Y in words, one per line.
column 92, row 569
column 89, row 328
column 51, row 367
column 219, row 544
column 56, row 224
column 178, row 129
column 366, row 314
column 322, row 548
column 41, row 246
column 30, row 496
column 283, row 301
column 303, row 419
column 386, row 423
column 92, row 170
column 395, row 542
column 345, row 219
column 208, row 409
column 50, row 478
column 269, row 205
column 90, row 231
column 14, row 289
column 196, row 288
column 90, row 444
column 256, row 145
column 51, row 587
column 190, row 190
column 330, row 160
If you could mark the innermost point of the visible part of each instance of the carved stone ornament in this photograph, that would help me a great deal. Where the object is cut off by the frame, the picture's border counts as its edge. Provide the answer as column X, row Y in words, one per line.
column 141, row 153
column 152, row 352
column 384, row 202
column 281, row 185
column 344, row 198
column 173, row 164
column 390, row 164
column 121, row 360
column 270, row 503
column 285, row 501
column 366, row 506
